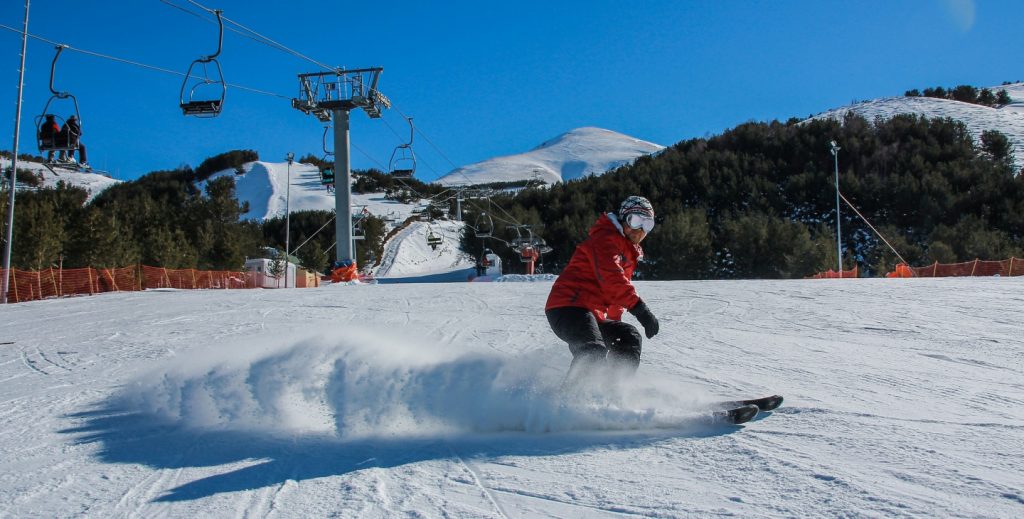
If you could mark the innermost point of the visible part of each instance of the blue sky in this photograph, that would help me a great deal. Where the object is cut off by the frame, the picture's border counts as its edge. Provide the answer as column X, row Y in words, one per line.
column 484, row 78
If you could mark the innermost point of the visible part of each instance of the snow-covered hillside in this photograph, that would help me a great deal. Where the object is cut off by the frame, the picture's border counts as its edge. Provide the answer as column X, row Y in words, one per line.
column 1008, row 119
column 580, row 152
column 265, row 187
column 428, row 400
column 93, row 183
column 409, row 254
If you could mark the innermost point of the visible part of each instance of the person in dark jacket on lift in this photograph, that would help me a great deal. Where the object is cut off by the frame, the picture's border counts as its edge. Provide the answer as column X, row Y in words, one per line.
column 71, row 136
column 587, row 300
column 48, row 133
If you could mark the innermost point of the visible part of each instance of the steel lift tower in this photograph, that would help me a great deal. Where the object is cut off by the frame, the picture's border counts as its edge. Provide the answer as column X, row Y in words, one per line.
column 333, row 94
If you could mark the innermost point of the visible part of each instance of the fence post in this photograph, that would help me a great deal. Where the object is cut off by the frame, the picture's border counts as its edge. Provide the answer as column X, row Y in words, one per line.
column 935, row 268
column 974, row 267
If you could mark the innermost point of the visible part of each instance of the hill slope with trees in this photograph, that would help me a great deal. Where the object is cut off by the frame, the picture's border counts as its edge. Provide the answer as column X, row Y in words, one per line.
column 758, row 201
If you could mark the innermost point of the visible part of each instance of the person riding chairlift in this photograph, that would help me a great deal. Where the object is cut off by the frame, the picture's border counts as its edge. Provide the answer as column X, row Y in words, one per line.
column 71, row 137
column 48, row 133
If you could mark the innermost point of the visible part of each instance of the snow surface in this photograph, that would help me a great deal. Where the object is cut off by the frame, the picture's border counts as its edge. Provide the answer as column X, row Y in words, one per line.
column 93, row 183
column 1008, row 119
column 577, row 153
column 903, row 398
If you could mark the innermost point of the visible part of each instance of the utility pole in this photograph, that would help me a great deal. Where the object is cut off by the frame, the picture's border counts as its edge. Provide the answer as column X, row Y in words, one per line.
column 334, row 94
column 14, row 164
column 839, row 243
column 288, row 220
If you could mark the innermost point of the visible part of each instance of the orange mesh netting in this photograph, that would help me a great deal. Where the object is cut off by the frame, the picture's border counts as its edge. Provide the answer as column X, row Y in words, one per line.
column 1009, row 267
column 832, row 274
column 28, row 285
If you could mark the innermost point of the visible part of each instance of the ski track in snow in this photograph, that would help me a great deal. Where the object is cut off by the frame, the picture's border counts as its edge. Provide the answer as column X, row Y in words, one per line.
column 903, row 398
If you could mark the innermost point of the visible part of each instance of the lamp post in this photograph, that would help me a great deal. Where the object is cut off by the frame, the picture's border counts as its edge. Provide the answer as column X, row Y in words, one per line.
column 9, row 234
column 839, row 243
column 288, row 220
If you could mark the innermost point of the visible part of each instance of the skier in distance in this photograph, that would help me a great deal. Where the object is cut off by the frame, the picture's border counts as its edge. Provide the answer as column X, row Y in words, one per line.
column 587, row 300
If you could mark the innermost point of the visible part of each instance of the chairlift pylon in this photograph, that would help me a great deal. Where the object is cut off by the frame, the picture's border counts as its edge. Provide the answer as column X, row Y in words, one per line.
column 403, row 159
column 204, row 106
column 67, row 139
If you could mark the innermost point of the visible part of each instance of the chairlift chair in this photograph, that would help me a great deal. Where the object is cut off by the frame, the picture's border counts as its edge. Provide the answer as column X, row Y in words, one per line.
column 63, row 141
column 327, row 167
column 204, row 106
column 484, row 226
column 357, row 229
column 433, row 240
column 403, row 160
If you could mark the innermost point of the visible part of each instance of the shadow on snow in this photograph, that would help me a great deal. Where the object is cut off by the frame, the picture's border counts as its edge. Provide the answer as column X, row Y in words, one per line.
column 136, row 438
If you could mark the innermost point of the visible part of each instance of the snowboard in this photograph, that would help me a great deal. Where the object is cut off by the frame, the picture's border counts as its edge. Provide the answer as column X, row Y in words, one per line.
column 735, row 415
column 767, row 403
column 742, row 411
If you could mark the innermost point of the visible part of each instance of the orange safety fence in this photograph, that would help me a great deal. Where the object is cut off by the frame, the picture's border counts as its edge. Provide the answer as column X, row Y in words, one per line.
column 1007, row 268
column 26, row 285
column 155, row 277
column 832, row 274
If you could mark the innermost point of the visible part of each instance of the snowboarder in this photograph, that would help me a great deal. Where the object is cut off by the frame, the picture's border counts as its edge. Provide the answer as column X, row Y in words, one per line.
column 587, row 301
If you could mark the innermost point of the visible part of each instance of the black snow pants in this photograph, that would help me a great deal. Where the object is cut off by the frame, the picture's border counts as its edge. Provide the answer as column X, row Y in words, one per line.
column 594, row 342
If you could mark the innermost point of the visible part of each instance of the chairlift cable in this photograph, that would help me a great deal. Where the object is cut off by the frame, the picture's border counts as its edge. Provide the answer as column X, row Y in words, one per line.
column 263, row 39
column 138, row 64
column 201, row 17
column 296, row 249
column 873, row 228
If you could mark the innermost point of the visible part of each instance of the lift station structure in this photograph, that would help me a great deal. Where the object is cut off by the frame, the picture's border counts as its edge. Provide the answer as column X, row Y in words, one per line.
column 332, row 95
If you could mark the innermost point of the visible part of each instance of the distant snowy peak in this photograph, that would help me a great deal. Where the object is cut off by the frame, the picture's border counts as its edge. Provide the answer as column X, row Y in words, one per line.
column 577, row 153
column 1008, row 119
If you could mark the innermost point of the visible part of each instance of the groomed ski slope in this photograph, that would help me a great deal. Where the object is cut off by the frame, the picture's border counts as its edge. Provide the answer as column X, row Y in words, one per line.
column 904, row 398
column 408, row 253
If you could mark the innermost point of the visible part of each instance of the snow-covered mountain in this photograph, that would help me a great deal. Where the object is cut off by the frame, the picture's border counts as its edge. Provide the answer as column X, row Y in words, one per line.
column 1008, row 119
column 580, row 152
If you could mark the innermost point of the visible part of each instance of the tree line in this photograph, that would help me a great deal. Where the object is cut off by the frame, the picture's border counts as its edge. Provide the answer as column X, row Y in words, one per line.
column 758, row 201
column 965, row 94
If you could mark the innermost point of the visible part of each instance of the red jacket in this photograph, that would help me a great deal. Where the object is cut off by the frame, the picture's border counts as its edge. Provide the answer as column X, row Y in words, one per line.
column 597, row 277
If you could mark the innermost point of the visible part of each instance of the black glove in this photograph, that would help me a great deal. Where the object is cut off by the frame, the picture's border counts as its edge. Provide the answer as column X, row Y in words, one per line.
column 646, row 318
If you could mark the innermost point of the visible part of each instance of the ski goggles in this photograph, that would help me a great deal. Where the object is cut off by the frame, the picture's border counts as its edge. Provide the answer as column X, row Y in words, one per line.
column 639, row 221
